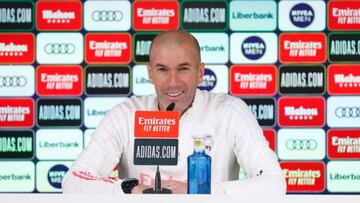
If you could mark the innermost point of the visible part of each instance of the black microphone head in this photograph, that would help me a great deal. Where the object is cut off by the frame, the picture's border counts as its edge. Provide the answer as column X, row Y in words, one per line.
column 170, row 107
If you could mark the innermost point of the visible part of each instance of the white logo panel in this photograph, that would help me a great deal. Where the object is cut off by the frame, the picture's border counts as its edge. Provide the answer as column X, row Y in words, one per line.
column 59, row 48
column 141, row 84
column 218, row 79
column 17, row 81
column 253, row 48
column 214, row 47
column 58, row 144
column 49, row 175
column 107, row 15
column 17, row 176
column 87, row 136
column 97, row 107
column 301, row 144
column 343, row 111
column 343, row 176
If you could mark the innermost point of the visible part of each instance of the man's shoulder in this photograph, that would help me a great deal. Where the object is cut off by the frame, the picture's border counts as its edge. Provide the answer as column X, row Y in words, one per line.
column 220, row 99
column 136, row 103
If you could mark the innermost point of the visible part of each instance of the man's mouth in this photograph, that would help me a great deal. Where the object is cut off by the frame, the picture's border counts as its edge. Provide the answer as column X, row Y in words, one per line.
column 174, row 93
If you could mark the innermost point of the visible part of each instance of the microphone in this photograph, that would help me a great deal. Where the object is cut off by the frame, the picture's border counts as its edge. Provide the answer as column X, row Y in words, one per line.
column 171, row 107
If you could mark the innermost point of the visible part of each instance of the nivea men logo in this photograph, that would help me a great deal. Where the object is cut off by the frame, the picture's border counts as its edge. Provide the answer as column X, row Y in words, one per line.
column 16, row 15
column 343, row 176
column 156, row 152
column 59, row 48
column 17, row 80
column 107, row 80
column 107, row 15
column 253, row 47
column 302, row 79
column 302, row 15
column 142, row 43
column 343, row 111
column 301, row 144
column 56, row 174
column 17, row 144
column 263, row 109
column 204, row 15
column 344, row 47
column 209, row 80
column 59, row 112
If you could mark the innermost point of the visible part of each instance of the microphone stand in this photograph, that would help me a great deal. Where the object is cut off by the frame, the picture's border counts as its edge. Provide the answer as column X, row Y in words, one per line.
column 158, row 189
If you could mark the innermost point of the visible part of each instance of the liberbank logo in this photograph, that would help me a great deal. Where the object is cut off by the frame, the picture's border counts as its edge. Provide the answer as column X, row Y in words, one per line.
column 253, row 15
column 107, row 80
column 17, row 144
column 263, row 110
column 17, row 48
column 343, row 176
column 306, row 79
column 343, row 144
column 107, row 48
column 300, row 15
column 253, row 48
column 204, row 15
column 343, row 111
column 16, row 15
column 59, row 15
column 17, row 80
column 141, row 83
column 213, row 51
column 59, row 48
column 253, row 80
column 304, row 176
column 343, row 79
column 344, row 47
column 142, row 43
column 17, row 176
column 59, row 80
column 59, row 112
column 301, row 111
column 302, row 48
column 344, row 15
column 107, row 15
column 16, row 112
column 155, row 15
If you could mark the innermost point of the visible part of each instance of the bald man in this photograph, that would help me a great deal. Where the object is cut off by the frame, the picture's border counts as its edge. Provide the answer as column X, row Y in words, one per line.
column 175, row 69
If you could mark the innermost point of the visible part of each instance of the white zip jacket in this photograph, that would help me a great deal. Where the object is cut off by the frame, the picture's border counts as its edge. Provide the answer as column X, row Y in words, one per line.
column 238, row 141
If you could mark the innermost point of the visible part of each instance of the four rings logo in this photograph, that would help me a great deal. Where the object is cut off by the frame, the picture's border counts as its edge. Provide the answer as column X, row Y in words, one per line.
column 59, row 48
column 347, row 112
column 107, row 15
column 12, row 81
column 344, row 79
column 301, row 144
column 59, row 15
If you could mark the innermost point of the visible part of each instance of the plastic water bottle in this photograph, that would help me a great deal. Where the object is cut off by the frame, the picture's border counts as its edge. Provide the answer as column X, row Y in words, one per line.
column 199, row 169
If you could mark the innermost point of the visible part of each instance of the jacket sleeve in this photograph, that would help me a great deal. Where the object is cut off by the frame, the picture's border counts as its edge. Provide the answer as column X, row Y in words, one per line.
column 253, row 154
column 89, row 173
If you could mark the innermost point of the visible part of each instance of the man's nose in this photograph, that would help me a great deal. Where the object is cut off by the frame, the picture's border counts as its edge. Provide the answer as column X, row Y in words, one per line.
column 173, row 79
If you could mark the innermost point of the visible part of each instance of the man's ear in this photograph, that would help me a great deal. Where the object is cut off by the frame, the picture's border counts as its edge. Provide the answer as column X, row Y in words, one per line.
column 201, row 73
column 149, row 72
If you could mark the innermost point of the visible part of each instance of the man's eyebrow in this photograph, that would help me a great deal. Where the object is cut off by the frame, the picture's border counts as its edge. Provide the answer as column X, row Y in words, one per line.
column 159, row 65
column 184, row 64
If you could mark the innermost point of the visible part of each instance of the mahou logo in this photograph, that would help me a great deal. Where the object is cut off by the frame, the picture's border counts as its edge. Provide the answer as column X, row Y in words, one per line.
column 108, row 48
column 344, row 15
column 253, row 80
column 302, row 48
column 17, row 48
column 304, row 176
column 344, row 79
column 59, row 80
column 155, row 15
column 343, row 144
column 59, row 15
column 16, row 112
column 301, row 111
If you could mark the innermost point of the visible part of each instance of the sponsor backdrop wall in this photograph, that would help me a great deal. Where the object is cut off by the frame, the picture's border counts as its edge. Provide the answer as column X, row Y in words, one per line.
column 65, row 64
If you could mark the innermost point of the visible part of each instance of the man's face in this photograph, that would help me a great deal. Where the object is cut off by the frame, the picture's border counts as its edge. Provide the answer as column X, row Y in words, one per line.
column 175, row 73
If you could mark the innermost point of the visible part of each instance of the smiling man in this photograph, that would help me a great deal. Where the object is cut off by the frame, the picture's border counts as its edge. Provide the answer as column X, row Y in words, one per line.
column 175, row 69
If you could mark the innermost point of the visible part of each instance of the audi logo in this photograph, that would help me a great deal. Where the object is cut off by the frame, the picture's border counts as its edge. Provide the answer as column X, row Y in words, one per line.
column 107, row 15
column 347, row 112
column 59, row 48
column 12, row 81
column 301, row 144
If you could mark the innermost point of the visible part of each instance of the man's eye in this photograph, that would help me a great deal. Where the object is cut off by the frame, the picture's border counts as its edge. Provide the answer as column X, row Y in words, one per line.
column 184, row 69
column 161, row 69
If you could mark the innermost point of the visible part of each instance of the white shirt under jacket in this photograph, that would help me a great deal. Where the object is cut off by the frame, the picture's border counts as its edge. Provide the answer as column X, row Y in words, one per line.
column 237, row 141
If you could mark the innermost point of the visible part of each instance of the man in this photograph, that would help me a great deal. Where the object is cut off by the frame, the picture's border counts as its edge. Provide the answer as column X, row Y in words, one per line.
column 175, row 69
